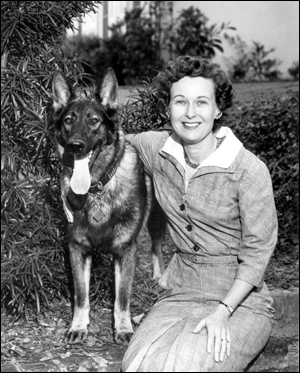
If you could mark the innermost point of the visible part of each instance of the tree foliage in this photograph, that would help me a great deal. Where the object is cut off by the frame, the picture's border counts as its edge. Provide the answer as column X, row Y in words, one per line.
column 193, row 36
column 133, row 50
column 141, row 57
column 252, row 63
column 32, row 245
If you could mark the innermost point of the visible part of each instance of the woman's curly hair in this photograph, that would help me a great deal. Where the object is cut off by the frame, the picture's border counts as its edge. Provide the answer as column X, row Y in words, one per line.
column 194, row 67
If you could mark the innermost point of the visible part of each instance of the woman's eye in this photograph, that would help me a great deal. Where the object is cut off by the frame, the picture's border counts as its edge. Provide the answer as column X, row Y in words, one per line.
column 201, row 102
column 180, row 102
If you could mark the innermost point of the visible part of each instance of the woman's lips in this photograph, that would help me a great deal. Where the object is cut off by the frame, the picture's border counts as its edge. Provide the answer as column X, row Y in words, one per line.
column 191, row 125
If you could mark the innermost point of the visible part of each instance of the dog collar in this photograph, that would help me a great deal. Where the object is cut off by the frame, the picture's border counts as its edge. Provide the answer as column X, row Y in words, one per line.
column 100, row 187
column 97, row 189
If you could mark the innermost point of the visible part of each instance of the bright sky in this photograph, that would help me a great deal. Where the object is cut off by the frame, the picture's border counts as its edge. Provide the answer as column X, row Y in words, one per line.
column 275, row 24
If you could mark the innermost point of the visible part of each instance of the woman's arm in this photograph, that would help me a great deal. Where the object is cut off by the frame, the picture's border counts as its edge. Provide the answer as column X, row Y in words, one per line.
column 259, row 235
column 238, row 292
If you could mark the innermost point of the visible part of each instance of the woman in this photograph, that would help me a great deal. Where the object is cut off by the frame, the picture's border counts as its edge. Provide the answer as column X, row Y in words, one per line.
column 215, row 314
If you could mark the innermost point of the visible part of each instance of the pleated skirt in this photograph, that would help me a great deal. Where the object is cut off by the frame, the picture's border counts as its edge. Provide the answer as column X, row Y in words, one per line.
column 164, row 341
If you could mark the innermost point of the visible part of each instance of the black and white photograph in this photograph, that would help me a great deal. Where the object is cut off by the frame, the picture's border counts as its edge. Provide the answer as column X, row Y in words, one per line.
column 150, row 186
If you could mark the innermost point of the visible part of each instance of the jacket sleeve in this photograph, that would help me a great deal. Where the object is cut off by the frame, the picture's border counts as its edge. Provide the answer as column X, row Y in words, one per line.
column 147, row 144
column 259, row 224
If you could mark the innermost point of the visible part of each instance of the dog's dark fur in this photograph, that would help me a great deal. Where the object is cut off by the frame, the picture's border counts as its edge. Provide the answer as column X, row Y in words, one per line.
column 106, row 219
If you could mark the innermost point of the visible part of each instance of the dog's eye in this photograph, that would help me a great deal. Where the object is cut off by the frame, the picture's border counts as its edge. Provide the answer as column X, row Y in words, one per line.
column 94, row 120
column 68, row 120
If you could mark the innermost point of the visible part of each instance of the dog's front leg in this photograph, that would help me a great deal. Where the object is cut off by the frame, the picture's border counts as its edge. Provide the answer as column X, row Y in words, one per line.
column 81, row 270
column 124, row 274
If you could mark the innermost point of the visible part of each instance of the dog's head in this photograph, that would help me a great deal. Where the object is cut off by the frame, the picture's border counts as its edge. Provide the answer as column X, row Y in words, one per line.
column 83, row 122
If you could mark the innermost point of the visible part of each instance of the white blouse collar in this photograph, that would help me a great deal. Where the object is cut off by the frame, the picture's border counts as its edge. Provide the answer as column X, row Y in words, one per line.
column 222, row 157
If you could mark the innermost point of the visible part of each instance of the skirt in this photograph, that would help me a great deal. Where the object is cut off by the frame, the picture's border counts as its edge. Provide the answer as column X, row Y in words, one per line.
column 164, row 341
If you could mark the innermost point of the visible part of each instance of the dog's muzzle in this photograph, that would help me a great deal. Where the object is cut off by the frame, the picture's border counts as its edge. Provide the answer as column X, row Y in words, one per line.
column 76, row 146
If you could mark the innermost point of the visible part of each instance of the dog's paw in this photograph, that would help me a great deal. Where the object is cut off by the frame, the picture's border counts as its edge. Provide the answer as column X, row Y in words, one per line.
column 76, row 336
column 123, row 338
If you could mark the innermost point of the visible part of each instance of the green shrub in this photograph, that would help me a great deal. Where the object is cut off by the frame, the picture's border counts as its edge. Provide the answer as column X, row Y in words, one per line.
column 33, row 266
column 269, row 127
column 143, row 112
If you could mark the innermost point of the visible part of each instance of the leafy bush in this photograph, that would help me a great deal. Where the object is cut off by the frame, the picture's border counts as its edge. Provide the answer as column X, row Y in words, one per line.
column 268, row 127
column 294, row 70
column 33, row 235
column 142, row 112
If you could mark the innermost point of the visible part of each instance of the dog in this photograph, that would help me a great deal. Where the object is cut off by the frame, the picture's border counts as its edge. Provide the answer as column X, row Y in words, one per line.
column 106, row 195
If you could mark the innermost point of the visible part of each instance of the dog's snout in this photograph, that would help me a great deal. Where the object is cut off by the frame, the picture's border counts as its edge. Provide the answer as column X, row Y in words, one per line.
column 76, row 146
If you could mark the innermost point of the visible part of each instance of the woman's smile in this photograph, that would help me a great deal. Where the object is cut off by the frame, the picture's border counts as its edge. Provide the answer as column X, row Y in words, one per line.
column 191, row 125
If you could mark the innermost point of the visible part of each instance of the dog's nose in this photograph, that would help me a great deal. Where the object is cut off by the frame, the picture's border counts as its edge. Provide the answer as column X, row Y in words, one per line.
column 76, row 147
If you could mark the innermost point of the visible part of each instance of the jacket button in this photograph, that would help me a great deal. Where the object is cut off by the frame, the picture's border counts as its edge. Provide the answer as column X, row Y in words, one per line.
column 196, row 248
column 182, row 207
column 189, row 228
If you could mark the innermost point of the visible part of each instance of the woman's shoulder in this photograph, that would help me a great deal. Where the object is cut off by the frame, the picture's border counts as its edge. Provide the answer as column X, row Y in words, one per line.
column 252, row 169
column 252, row 162
column 153, row 139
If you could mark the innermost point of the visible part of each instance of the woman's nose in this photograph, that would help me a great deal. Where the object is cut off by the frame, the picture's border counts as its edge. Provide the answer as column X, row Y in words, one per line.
column 190, row 112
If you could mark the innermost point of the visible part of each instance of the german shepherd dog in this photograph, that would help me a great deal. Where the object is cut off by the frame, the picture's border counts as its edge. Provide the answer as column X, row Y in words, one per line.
column 106, row 196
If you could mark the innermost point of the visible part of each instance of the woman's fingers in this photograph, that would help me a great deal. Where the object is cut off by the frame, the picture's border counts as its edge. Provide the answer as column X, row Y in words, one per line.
column 218, row 345
column 228, row 344
column 199, row 326
column 210, row 340
column 221, row 343
column 223, row 346
column 218, row 339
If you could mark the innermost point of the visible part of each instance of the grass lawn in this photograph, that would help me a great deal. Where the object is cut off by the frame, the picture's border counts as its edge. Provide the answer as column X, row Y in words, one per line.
column 244, row 92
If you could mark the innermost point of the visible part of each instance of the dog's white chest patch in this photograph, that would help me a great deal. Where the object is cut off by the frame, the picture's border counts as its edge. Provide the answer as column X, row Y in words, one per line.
column 81, row 178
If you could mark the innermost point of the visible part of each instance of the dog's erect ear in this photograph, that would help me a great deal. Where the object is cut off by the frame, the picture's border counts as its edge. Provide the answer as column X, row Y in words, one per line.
column 61, row 90
column 108, row 89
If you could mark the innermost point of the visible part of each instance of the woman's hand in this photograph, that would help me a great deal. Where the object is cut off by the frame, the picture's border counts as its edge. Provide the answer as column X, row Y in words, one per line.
column 218, row 332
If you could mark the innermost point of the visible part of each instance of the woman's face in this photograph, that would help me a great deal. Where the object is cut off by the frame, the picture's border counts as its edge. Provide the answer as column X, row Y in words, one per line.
column 193, row 108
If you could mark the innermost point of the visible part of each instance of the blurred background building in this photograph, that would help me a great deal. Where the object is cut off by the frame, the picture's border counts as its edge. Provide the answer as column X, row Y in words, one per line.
column 113, row 11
